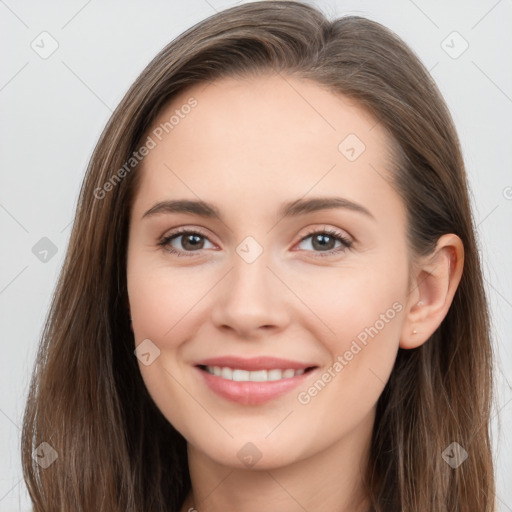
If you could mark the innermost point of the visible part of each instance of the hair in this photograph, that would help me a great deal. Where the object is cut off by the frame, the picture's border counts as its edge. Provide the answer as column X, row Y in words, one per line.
column 116, row 451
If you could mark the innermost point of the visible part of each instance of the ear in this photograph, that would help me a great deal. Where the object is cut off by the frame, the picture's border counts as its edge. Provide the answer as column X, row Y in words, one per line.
column 433, row 285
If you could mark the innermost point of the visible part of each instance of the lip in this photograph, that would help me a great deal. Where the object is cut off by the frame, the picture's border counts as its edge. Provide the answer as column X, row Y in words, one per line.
column 252, row 393
column 255, row 363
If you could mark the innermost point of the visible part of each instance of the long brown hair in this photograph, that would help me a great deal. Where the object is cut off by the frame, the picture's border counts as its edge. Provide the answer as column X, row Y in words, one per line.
column 87, row 399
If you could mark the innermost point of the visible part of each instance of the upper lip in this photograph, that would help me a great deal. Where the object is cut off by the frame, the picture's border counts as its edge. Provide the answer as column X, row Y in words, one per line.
column 254, row 363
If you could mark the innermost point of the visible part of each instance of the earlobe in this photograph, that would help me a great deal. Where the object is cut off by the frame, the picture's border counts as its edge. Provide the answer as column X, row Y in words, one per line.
column 436, row 279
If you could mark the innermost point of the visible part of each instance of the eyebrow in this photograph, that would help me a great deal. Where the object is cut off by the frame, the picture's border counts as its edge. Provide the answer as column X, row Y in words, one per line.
column 290, row 209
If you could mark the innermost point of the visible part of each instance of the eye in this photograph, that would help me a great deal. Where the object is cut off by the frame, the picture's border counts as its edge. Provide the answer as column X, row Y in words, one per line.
column 325, row 240
column 192, row 241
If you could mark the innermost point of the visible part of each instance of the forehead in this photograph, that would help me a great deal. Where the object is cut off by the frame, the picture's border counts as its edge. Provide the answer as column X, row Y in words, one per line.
column 245, row 112
column 263, row 137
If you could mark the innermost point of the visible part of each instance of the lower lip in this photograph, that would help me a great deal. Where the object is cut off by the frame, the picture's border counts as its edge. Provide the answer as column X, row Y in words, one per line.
column 251, row 393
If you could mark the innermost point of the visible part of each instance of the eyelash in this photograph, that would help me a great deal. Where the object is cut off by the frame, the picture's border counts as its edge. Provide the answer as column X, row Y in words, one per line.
column 346, row 243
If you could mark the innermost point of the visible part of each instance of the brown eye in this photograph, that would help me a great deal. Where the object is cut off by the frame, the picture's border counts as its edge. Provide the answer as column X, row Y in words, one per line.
column 183, row 242
column 324, row 242
column 191, row 242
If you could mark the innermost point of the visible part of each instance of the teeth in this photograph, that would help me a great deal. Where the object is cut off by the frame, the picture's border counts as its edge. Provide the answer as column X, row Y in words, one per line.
column 256, row 376
column 226, row 373
column 240, row 375
column 275, row 374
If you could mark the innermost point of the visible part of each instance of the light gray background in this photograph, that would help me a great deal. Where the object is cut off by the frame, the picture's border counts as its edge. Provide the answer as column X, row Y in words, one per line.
column 53, row 111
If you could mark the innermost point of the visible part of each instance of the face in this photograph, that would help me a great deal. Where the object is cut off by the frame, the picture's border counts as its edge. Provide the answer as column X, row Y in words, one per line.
column 267, row 278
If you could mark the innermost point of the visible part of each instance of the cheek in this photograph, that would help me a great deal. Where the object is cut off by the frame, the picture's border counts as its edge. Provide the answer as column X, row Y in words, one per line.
column 351, row 303
column 361, row 318
column 160, row 297
column 162, row 304
column 371, row 310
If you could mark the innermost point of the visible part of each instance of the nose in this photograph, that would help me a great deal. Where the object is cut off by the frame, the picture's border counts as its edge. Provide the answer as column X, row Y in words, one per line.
column 251, row 300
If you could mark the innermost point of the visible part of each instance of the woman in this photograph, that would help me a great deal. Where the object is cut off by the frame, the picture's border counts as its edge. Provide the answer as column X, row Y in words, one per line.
column 272, row 296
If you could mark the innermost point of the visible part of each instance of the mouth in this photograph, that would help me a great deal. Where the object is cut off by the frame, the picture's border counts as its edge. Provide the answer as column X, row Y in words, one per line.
column 253, row 381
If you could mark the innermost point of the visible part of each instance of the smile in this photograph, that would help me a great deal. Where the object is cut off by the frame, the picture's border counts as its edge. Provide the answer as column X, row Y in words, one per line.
column 252, row 381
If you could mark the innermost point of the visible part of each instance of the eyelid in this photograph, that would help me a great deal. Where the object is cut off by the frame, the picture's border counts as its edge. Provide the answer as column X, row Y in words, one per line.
column 325, row 228
column 185, row 230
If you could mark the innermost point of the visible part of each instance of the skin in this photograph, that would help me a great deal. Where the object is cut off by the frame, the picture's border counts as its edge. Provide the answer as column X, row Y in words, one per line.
column 248, row 146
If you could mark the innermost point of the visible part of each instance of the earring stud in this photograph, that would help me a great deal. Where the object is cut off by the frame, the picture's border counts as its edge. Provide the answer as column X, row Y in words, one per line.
column 414, row 331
